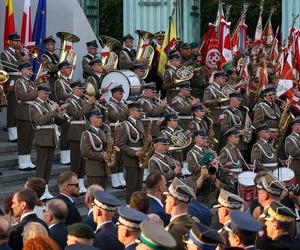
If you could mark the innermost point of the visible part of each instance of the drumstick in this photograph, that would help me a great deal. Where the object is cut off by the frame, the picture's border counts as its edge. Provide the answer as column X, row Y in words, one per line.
column 289, row 161
column 254, row 162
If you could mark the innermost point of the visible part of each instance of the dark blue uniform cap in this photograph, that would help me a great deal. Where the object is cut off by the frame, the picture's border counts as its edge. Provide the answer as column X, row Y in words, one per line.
column 117, row 88
column 64, row 63
column 198, row 107
column 170, row 117
column 94, row 112
column 159, row 34
column 130, row 217
column 296, row 120
column 220, row 74
column 25, row 65
column 232, row 131
column 44, row 88
column 76, row 84
column 106, row 201
column 243, row 223
column 185, row 84
column 140, row 67
column 161, row 139
column 135, row 105
column 263, row 127
column 14, row 37
column 92, row 44
column 236, row 95
column 95, row 60
column 151, row 86
column 49, row 39
column 127, row 37
column 201, row 133
column 269, row 89
column 175, row 55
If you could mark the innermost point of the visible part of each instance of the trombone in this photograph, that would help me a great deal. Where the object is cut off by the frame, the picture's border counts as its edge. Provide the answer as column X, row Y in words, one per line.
column 63, row 114
column 97, row 103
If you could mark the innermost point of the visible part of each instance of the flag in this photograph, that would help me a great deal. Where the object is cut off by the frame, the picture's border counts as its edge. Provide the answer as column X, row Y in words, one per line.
column 220, row 16
column 239, row 39
column 285, row 83
column 26, row 31
column 263, row 77
column 225, row 44
column 258, row 43
column 39, row 30
column 9, row 22
column 168, row 45
column 268, row 35
column 205, row 40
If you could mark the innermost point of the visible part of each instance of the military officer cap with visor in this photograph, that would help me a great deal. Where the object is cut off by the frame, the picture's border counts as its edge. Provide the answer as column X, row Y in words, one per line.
column 268, row 90
column 243, row 224
column 92, row 44
column 159, row 35
column 220, row 74
column 14, row 37
column 175, row 56
column 63, row 64
column 49, row 39
column 202, row 236
column 171, row 117
column 295, row 121
column 271, row 184
column 96, row 60
column 139, row 66
column 236, row 95
column 25, row 65
column 185, row 84
column 117, row 88
column 151, row 86
column 198, row 107
column 94, row 112
column 280, row 212
column 106, row 201
column 154, row 236
column 180, row 191
column 201, row 133
column 135, row 105
column 161, row 139
column 231, row 131
column 229, row 200
column 263, row 127
column 127, row 37
column 44, row 88
column 131, row 218
column 77, row 84
column 185, row 46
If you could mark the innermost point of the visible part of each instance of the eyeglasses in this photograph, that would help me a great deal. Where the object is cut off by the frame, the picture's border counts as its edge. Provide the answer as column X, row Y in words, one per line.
column 74, row 184
column 271, row 94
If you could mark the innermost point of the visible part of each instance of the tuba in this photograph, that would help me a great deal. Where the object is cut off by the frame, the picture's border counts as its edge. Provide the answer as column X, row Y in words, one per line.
column 145, row 51
column 184, row 73
column 66, row 51
column 109, row 57
column 3, row 78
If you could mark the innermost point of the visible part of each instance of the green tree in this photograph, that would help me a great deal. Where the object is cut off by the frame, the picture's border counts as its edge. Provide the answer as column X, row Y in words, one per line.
column 111, row 18
column 209, row 13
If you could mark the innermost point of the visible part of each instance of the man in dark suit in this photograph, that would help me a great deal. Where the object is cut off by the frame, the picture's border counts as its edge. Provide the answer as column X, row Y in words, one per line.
column 105, row 205
column 68, row 189
column 156, row 184
column 23, row 203
column 4, row 233
column 89, row 201
column 55, row 215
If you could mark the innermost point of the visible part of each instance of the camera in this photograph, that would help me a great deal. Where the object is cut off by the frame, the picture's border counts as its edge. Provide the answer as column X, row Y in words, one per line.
column 211, row 169
column 294, row 189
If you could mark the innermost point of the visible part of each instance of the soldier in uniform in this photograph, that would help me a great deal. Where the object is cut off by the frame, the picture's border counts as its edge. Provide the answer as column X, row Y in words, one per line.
column 49, row 61
column 161, row 163
column 154, row 236
column 195, row 155
column 129, row 226
column 233, row 117
column 92, row 148
column 26, row 92
column 95, row 78
column 10, row 57
column 169, row 85
column 127, row 54
column 185, row 52
column 201, row 237
column 77, row 108
column 242, row 230
column 200, row 121
column 129, row 140
column 178, row 197
column 212, row 178
column 230, row 155
column 267, row 111
column 105, row 206
column 92, row 48
column 292, row 147
column 263, row 155
column 117, row 112
column 139, row 70
column 279, row 221
column 43, row 117
column 62, row 91
column 213, row 98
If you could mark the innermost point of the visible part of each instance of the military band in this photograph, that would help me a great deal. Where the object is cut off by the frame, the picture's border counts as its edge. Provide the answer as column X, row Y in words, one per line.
column 92, row 48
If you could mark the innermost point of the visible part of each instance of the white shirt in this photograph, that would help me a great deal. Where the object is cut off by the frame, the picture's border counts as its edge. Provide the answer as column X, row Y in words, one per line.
column 52, row 225
column 200, row 148
column 172, row 129
column 155, row 198
column 132, row 119
column 176, row 216
column 68, row 197
column 97, row 129
column 90, row 211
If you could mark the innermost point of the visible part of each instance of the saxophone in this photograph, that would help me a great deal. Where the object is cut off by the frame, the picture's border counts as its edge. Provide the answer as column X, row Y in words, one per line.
column 211, row 134
column 111, row 151
column 248, row 127
column 147, row 147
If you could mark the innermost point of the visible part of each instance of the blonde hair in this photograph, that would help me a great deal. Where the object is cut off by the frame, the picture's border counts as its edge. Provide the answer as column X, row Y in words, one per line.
column 33, row 230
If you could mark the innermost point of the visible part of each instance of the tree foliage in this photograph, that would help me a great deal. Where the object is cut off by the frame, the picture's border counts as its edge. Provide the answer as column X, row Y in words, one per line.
column 111, row 18
column 209, row 13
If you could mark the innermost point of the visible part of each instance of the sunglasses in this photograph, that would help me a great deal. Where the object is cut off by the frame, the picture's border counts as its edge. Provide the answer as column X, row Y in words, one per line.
column 74, row 184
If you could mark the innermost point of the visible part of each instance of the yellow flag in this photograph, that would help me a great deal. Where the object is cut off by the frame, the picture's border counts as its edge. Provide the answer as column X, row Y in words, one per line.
column 168, row 45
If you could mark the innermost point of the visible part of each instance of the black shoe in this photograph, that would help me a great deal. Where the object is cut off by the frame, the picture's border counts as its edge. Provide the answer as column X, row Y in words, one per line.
column 13, row 141
column 25, row 169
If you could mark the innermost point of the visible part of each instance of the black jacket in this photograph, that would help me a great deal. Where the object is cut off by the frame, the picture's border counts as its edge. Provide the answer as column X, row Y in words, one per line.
column 59, row 234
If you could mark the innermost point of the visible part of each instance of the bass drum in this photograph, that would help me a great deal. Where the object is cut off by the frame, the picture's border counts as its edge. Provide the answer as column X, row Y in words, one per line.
column 130, row 82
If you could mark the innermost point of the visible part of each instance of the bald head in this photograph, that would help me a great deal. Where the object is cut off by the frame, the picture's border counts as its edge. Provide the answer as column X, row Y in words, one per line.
column 4, row 230
column 56, row 211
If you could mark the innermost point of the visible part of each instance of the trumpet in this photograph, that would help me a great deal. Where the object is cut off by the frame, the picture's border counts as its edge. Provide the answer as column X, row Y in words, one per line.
column 97, row 103
column 168, row 108
column 63, row 114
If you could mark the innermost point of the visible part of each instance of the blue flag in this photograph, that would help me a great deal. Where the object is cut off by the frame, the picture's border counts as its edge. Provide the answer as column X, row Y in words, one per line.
column 39, row 30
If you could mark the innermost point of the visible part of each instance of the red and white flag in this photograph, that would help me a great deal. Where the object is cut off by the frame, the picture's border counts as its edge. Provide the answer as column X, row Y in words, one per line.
column 225, row 44
column 26, row 31
column 268, row 35
column 285, row 83
column 263, row 76
column 258, row 44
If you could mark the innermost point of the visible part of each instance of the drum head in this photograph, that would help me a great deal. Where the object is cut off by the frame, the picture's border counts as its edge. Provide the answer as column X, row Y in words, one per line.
column 284, row 174
column 246, row 178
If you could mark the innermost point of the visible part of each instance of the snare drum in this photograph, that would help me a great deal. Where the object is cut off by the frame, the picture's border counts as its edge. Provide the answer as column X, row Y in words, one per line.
column 130, row 82
column 286, row 175
column 247, row 189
